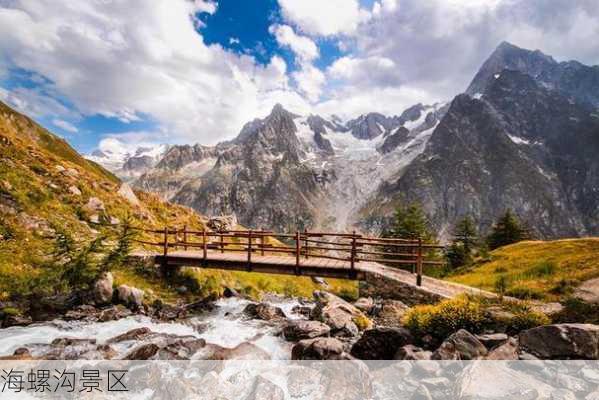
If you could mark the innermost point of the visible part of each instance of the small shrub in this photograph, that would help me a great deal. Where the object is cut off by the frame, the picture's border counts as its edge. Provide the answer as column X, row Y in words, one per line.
column 443, row 319
column 545, row 268
column 500, row 270
column 526, row 319
column 348, row 294
column 525, row 293
column 578, row 311
column 501, row 285
column 362, row 322
column 564, row 287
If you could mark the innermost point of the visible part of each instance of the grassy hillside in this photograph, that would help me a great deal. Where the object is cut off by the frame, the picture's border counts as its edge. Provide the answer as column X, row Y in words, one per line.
column 544, row 270
column 45, row 190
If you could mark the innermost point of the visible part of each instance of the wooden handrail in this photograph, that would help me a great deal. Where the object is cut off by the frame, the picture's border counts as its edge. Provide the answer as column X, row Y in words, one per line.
column 306, row 244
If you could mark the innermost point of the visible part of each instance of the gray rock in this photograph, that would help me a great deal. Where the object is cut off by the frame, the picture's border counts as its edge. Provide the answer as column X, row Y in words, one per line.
column 562, row 394
column 336, row 313
column 364, row 304
column 390, row 312
column 266, row 390
column 319, row 349
column 134, row 334
column 300, row 329
column 461, row 345
column 381, row 343
column 223, row 223
column 103, row 290
column 505, row 351
column 562, row 341
column 126, row 192
column 264, row 311
column 492, row 340
column 130, row 296
column 74, row 190
column 142, row 352
column 411, row 352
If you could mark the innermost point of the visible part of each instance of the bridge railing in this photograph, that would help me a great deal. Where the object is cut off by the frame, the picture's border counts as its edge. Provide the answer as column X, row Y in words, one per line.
column 352, row 248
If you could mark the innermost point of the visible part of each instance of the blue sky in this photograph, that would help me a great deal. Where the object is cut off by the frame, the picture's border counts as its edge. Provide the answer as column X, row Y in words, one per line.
column 175, row 71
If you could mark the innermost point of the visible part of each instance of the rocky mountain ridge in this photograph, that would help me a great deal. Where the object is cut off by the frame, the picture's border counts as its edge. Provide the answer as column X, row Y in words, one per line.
column 522, row 136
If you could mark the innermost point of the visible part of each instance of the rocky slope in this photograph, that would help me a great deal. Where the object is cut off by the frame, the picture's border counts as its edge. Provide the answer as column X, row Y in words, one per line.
column 288, row 171
column 47, row 188
column 517, row 145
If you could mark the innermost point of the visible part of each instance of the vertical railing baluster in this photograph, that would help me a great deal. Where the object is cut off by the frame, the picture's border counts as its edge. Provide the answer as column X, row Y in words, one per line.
column 297, row 252
column 165, row 249
column 204, row 245
column 352, row 263
column 306, row 248
column 419, row 263
column 261, row 243
column 185, row 237
column 222, row 242
column 249, row 266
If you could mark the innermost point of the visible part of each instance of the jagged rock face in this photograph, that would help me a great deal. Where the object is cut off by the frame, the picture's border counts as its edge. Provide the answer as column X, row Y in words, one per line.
column 260, row 179
column 372, row 125
column 572, row 78
column 395, row 139
column 520, row 146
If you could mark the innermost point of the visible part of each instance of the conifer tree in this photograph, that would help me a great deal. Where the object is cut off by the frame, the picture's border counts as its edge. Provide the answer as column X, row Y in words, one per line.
column 507, row 230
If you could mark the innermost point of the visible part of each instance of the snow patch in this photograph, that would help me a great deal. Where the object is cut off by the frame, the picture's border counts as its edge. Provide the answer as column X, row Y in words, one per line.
column 518, row 140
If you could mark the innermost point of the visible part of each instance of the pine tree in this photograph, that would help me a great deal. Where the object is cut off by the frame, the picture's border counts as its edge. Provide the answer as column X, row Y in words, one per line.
column 507, row 230
column 411, row 223
column 459, row 253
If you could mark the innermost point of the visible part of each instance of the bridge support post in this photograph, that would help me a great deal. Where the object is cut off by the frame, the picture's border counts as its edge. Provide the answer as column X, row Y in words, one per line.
column 419, row 263
column 298, row 248
column 185, row 237
column 222, row 242
column 249, row 265
column 204, row 246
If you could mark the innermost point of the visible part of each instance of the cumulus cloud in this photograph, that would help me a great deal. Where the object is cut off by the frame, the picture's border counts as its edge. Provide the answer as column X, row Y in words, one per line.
column 65, row 125
column 330, row 17
column 128, row 59
column 303, row 46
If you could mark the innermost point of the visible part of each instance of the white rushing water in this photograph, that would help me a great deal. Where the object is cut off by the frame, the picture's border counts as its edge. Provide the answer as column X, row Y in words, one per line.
column 225, row 326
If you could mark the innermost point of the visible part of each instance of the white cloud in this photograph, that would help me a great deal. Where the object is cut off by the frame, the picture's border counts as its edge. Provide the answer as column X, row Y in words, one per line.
column 65, row 125
column 318, row 17
column 303, row 46
column 104, row 61
column 310, row 80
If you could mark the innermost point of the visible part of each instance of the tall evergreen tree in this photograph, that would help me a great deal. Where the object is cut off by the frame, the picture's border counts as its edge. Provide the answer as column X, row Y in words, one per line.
column 459, row 252
column 507, row 230
column 411, row 223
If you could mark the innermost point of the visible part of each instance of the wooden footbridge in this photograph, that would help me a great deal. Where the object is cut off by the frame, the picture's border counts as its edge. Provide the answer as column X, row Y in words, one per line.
column 322, row 254
column 315, row 254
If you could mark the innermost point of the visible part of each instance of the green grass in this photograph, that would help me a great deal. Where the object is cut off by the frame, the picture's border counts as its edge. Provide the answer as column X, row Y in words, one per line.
column 543, row 270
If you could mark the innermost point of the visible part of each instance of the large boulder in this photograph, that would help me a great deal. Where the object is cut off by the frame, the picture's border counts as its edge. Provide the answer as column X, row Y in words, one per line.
column 319, row 349
column 505, row 351
column 264, row 311
column 130, row 296
column 461, row 345
column 390, row 312
column 103, row 290
column 126, row 192
column 561, row 341
column 492, row 340
column 364, row 304
column 381, row 343
column 223, row 223
column 336, row 313
column 300, row 329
